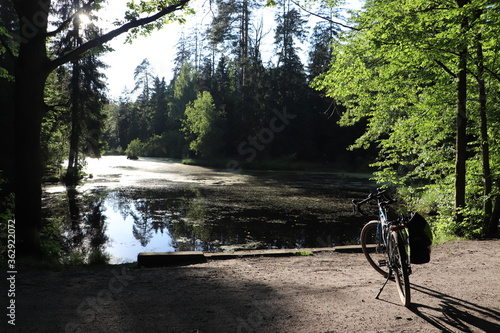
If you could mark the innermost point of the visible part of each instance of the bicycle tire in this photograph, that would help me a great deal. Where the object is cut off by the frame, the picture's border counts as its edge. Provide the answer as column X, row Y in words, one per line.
column 371, row 250
column 399, row 262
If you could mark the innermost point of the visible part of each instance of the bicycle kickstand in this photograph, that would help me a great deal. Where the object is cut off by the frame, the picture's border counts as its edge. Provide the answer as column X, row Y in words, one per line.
column 383, row 286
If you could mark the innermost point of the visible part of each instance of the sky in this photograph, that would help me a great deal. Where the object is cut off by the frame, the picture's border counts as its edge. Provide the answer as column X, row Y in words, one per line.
column 159, row 47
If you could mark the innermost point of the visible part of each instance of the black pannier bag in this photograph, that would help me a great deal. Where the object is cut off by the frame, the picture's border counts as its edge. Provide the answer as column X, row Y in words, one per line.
column 420, row 236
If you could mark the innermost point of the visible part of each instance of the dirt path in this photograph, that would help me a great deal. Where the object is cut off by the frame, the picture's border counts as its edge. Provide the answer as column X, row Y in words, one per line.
column 459, row 291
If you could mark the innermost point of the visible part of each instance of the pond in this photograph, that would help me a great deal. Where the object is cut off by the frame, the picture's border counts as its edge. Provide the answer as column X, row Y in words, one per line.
column 161, row 205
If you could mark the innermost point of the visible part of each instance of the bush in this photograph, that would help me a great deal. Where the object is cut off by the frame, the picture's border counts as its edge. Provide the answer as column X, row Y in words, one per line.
column 115, row 151
column 98, row 257
column 134, row 149
column 155, row 147
column 50, row 238
column 74, row 259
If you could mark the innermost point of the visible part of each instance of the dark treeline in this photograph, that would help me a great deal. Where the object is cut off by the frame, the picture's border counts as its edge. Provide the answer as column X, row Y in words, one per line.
column 224, row 103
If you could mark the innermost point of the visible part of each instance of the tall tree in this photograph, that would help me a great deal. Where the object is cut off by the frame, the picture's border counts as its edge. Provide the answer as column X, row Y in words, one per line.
column 33, row 65
column 230, row 30
column 159, row 103
column 320, row 53
column 184, row 91
column 86, row 88
column 144, row 79
column 290, row 29
column 143, row 111
column 406, row 71
column 184, row 52
column 8, row 51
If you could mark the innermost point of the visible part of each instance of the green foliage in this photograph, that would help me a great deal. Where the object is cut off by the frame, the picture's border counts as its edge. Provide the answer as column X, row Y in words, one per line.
column 201, row 125
column 397, row 73
column 76, row 97
column 98, row 257
column 304, row 253
column 196, row 210
column 50, row 241
column 74, row 259
column 7, row 202
column 134, row 148
column 8, row 46
column 144, row 79
column 138, row 9
column 55, row 129
column 246, row 94
column 155, row 147
column 184, row 90
column 78, row 258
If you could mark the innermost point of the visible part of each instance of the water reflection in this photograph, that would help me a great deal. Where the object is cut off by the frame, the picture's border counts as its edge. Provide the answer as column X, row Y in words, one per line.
column 84, row 233
column 120, row 223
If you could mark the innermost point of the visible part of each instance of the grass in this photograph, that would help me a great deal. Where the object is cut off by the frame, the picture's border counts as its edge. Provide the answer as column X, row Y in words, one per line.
column 303, row 253
column 444, row 238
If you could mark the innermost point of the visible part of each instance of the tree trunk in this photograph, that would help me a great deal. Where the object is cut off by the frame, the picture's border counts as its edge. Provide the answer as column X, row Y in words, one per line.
column 30, row 74
column 74, row 140
column 244, row 42
column 461, row 130
column 485, row 147
column 461, row 141
column 492, row 227
column 71, row 177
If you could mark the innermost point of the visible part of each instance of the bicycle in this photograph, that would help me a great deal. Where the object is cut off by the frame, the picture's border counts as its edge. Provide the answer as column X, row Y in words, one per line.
column 385, row 243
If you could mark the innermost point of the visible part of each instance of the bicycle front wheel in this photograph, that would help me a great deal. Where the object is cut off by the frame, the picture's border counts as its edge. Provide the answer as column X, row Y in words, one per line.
column 373, row 249
column 399, row 262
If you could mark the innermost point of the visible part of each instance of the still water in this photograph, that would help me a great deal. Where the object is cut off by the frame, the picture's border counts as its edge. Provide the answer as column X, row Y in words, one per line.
column 161, row 205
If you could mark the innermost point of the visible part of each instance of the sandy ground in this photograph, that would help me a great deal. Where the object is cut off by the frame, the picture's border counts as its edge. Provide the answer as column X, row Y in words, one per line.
column 458, row 291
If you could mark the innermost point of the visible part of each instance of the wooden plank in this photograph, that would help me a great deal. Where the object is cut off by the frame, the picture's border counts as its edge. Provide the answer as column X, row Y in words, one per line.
column 161, row 259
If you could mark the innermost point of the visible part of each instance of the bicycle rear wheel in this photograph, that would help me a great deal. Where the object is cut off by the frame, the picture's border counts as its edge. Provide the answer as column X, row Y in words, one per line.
column 399, row 262
column 374, row 252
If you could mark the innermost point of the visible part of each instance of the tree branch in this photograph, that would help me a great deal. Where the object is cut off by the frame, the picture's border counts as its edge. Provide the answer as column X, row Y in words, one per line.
column 6, row 45
column 325, row 18
column 445, row 68
column 76, row 53
column 495, row 75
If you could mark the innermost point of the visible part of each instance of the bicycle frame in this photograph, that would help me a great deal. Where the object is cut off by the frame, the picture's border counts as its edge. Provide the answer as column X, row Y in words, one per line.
column 385, row 228
column 383, row 225
column 390, row 239
column 383, row 239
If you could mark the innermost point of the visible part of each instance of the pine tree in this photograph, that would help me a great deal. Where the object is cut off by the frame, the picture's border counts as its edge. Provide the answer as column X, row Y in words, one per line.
column 230, row 31
column 86, row 87
column 159, row 105
column 290, row 71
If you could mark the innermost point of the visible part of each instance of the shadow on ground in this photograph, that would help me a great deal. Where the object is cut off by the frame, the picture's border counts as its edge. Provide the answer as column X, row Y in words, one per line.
column 453, row 314
column 118, row 299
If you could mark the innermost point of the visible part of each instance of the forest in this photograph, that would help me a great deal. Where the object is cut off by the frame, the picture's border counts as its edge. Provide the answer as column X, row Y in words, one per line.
column 410, row 90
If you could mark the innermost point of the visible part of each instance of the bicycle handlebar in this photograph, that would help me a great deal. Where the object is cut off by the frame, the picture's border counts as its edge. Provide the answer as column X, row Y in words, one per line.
column 380, row 196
